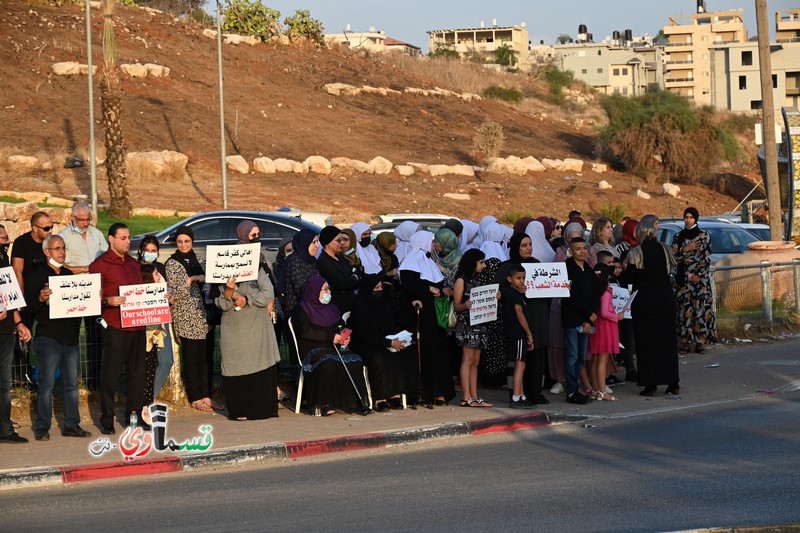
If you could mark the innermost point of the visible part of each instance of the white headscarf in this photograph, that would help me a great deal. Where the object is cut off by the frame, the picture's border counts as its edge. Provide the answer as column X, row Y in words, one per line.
column 417, row 259
column 541, row 248
column 468, row 233
column 485, row 222
column 370, row 258
column 492, row 245
column 403, row 233
column 508, row 233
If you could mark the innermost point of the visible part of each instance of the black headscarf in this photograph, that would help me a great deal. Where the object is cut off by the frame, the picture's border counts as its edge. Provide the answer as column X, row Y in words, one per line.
column 690, row 233
column 301, row 241
column 513, row 249
column 188, row 260
column 455, row 226
column 328, row 234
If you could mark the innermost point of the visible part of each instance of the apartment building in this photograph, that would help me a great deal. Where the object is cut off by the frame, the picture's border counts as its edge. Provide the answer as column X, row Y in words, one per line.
column 484, row 41
column 372, row 41
column 688, row 49
column 609, row 68
column 787, row 25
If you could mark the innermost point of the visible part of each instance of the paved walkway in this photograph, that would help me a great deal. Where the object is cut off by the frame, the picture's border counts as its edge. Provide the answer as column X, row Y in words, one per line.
column 744, row 371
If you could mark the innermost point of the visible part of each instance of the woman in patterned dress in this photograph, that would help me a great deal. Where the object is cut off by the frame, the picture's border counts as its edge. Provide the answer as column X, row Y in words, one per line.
column 692, row 250
column 493, row 357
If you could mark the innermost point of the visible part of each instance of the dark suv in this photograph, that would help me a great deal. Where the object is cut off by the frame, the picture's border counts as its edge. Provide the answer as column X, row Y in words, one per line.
column 219, row 227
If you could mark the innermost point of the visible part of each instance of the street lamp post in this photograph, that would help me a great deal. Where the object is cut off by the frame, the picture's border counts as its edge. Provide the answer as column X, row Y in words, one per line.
column 92, row 157
column 221, row 112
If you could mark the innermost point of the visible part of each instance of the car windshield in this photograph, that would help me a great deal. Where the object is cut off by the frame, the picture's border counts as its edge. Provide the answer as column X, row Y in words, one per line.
column 729, row 239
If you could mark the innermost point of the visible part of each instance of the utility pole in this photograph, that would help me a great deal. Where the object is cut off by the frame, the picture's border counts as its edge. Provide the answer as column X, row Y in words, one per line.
column 92, row 155
column 776, row 232
column 222, row 111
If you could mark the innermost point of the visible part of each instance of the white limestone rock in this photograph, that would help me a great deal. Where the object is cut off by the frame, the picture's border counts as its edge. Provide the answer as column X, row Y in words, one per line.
column 573, row 165
column 317, row 164
column 404, row 170
column 456, row 196
column 671, row 189
column 599, row 168
column 381, row 165
column 641, row 194
column 265, row 165
column 533, row 164
column 238, row 164
column 604, row 185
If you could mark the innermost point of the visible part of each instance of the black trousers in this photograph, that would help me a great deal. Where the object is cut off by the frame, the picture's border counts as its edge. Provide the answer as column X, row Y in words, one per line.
column 194, row 368
column 94, row 350
column 534, row 373
column 122, row 349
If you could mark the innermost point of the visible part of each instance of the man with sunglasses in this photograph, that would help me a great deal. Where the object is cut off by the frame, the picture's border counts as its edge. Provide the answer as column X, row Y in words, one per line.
column 85, row 243
column 26, row 256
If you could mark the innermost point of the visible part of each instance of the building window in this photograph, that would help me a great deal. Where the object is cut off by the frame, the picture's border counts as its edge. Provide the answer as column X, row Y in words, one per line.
column 600, row 71
column 774, row 81
column 624, row 91
column 742, row 83
column 616, row 90
column 755, row 104
column 599, row 52
column 616, row 72
column 584, row 71
column 625, row 72
column 747, row 58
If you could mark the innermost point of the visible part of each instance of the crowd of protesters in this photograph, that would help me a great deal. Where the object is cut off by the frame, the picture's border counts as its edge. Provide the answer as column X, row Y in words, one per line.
column 396, row 304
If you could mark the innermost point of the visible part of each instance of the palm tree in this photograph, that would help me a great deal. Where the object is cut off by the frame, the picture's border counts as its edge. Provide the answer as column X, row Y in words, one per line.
column 111, row 106
column 505, row 55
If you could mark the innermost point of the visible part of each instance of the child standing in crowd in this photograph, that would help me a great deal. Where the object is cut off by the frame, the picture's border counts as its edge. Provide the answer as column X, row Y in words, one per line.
column 155, row 337
column 605, row 340
column 519, row 339
column 471, row 338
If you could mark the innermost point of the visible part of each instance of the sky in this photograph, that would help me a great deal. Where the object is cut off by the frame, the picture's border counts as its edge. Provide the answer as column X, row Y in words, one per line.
column 409, row 20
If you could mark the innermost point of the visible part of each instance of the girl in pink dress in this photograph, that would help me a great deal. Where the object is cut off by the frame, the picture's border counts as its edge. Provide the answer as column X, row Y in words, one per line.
column 605, row 340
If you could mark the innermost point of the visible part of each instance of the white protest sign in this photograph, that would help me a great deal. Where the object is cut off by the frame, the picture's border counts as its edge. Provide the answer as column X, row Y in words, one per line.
column 74, row 296
column 484, row 304
column 145, row 305
column 10, row 293
column 238, row 261
column 620, row 297
column 546, row 280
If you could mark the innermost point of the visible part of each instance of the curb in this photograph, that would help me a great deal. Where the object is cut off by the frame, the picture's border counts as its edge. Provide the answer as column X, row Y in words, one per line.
column 287, row 450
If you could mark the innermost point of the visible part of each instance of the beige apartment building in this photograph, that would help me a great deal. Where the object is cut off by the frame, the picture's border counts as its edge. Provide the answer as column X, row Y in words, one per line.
column 484, row 41
column 735, row 69
column 612, row 69
column 372, row 41
column 688, row 50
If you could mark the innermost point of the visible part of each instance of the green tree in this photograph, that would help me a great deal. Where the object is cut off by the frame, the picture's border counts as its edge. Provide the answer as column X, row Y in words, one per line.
column 564, row 39
column 251, row 17
column 505, row 55
column 301, row 25
column 445, row 51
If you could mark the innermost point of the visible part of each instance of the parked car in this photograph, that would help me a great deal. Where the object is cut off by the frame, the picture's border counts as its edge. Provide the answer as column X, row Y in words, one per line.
column 726, row 238
column 427, row 221
column 219, row 227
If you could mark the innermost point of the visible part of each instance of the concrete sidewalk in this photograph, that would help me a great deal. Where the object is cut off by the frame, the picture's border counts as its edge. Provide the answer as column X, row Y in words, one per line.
column 745, row 371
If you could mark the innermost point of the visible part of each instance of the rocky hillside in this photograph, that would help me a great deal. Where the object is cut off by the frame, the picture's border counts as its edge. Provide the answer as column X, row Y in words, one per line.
column 276, row 106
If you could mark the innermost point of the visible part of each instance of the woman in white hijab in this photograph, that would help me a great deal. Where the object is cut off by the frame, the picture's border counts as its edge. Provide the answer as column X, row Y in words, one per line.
column 370, row 258
column 468, row 234
column 403, row 233
column 483, row 225
column 541, row 248
column 420, row 282
column 493, row 236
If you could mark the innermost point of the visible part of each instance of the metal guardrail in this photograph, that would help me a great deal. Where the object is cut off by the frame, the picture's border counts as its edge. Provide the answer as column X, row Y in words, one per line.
column 766, row 275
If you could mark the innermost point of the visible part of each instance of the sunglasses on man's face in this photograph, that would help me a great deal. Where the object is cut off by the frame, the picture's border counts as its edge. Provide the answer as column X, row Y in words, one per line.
column 44, row 228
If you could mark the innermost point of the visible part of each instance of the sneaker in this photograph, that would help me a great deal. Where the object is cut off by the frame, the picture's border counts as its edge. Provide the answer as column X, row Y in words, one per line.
column 577, row 398
column 558, row 388
column 521, row 404
column 613, row 381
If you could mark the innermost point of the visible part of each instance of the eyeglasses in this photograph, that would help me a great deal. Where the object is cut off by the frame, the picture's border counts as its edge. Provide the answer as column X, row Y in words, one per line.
column 44, row 228
column 255, row 236
column 343, row 239
column 88, row 219
column 558, row 227
column 58, row 249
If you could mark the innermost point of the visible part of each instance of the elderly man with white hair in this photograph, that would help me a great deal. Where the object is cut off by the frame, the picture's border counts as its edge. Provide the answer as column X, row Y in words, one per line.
column 85, row 243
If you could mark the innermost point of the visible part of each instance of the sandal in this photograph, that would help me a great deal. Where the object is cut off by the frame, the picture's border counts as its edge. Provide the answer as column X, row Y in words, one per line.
column 214, row 406
column 480, row 402
column 200, row 405
column 326, row 410
column 467, row 403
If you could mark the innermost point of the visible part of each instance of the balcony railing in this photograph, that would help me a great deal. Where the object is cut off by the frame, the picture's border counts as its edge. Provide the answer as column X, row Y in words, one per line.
column 679, row 44
column 681, row 62
column 678, row 80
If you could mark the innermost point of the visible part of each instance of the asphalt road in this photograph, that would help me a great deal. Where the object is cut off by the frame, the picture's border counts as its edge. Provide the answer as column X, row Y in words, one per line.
column 734, row 464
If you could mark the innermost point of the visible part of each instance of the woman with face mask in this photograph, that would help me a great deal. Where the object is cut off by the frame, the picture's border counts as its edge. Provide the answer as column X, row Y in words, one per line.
column 248, row 344
column 370, row 259
column 318, row 325
column 298, row 268
column 392, row 364
column 337, row 271
column 148, row 255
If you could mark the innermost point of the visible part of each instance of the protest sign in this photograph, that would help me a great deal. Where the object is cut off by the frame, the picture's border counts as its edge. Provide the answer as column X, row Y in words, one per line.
column 238, row 261
column 546, row 280
column 74, row 296
column 145, row 305
column 484, row 304
column 620, row 297
column 10, row 294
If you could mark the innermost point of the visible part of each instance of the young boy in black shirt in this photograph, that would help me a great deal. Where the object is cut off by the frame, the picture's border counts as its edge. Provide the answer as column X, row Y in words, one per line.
column 519, row 340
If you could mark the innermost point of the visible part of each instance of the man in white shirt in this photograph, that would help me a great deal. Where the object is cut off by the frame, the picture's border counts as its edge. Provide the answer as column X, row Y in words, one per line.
column 84, row 244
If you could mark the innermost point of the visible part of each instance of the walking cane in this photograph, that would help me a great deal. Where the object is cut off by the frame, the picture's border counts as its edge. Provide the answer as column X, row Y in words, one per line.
column 417, row 306
column 364, row 409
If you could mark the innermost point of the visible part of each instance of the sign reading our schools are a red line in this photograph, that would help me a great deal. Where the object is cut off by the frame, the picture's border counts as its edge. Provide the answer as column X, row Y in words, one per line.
column 145, row 305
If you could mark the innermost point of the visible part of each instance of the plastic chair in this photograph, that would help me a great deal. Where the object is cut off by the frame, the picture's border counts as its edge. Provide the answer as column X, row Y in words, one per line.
column 302, row 374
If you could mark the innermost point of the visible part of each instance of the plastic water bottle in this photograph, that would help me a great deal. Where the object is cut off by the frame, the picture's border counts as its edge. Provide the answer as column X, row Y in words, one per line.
column 133, row 421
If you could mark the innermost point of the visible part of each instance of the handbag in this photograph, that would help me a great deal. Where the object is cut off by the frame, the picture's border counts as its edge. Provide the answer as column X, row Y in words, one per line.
column 445, row 314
